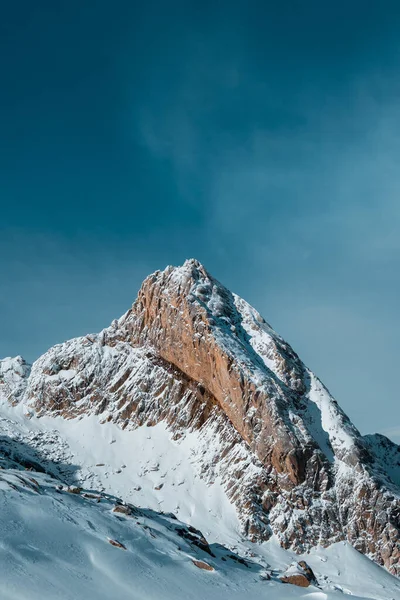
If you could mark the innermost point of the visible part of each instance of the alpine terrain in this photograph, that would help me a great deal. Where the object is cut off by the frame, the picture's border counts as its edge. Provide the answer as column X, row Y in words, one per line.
column 186, row 451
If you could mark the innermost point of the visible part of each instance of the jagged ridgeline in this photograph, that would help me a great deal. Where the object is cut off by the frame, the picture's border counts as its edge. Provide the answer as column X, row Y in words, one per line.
column 194, row 355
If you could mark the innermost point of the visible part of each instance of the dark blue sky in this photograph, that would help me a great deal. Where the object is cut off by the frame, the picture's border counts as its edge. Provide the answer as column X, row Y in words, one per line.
column 262, row 138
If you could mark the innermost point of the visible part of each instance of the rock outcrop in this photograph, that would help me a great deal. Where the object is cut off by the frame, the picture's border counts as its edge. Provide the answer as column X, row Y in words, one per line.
column 299, row 574
column 194, row 355
column 14, row 373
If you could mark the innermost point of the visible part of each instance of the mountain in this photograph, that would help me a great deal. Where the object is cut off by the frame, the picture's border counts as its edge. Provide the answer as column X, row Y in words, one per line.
column 215, row 418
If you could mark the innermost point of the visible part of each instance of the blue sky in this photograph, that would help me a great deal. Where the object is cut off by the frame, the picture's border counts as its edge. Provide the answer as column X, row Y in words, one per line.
column 262, row 138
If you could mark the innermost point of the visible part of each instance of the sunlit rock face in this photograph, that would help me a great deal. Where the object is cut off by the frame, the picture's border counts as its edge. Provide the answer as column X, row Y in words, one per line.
column 192, row 354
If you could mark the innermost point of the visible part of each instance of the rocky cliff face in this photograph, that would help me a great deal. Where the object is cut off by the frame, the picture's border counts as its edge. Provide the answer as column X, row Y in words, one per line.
column 191, row 353
column 14, row 373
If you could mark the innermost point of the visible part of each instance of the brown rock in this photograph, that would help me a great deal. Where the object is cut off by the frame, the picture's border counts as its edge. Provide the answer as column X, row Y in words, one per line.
column 298, row 579
column 92, row 496
column 309, row 573
column 123, row 509
column 299, row 574
column 203, row 565
column 117, row 544
column 195, row 537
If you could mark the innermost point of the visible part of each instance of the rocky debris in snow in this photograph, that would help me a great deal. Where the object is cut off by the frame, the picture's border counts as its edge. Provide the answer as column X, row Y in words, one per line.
column 299, row 574
column 203, row 565
column 195, row 537
column 124, row 510
column 308, row 571
column 117, row 544
column 91, row 496
column 76, row 532
column 238, row 559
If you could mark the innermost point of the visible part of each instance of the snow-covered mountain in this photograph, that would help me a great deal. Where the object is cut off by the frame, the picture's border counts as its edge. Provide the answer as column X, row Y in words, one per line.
column 191, row 404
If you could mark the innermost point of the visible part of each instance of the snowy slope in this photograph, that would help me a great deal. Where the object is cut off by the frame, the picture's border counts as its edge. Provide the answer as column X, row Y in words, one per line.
column 386, row 455
column 56, row 544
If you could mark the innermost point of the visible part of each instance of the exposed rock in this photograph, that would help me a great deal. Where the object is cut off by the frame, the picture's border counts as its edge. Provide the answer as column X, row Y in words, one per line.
column 238, row 559
column 92, row 496
column 195, row 537
column 299, row 574
column 14, row 374
column 123, row 509
column 203, row 565
column 117, row 544
column 309, row 573
column 296, row 579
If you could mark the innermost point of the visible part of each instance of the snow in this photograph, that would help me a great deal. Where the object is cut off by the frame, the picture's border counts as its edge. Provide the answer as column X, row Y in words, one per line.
column 333, row 429
column 68, row 555
column 133, row 464
column 386, row 456
column 13, row 378
column 261, row 335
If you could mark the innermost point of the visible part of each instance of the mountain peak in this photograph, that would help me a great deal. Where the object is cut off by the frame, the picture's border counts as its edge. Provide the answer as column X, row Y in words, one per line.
column 198, row 358
column 191, row 263
column 190, row 271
